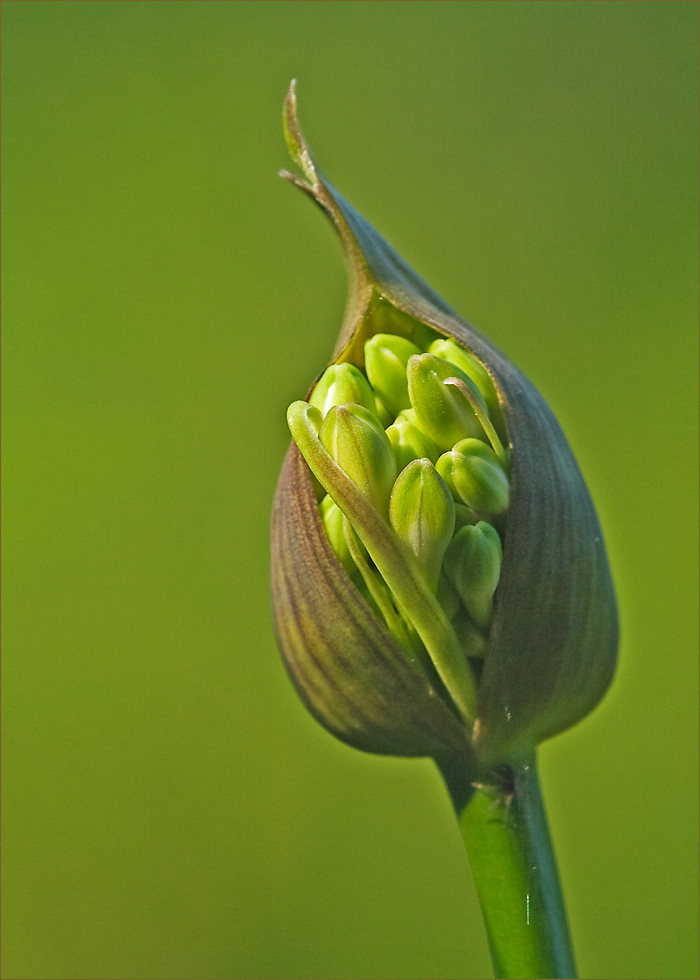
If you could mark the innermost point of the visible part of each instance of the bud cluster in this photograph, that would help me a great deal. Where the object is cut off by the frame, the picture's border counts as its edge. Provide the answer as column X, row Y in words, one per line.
column 422, row 638
column 418, row 431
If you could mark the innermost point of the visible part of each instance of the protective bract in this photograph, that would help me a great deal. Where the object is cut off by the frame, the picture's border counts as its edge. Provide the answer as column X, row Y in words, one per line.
column 551, row 646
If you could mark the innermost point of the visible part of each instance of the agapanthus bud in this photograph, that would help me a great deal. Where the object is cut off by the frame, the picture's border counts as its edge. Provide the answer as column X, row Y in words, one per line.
column 465, row 515
column 422, row 513
column 355, row 439
column 385, row 416
column 473, row 566
column 448, row 350
column 386, row 357
column 549, row 652
column 474, row 478
column 410, row 443
column 332, row 517
column 442, row 410
column 341, row 383
column 409, row 415
column 477, row 447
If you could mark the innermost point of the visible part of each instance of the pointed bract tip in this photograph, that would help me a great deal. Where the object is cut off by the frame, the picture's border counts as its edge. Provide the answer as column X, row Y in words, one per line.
column 296, row 144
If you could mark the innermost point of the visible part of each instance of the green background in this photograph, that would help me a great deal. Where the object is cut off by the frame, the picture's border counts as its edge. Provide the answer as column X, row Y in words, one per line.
column 171, row 811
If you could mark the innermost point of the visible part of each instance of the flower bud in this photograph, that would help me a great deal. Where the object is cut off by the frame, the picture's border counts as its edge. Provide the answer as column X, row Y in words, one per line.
column 473, row 566
column 410, row 443
column 448, row 350
column 332, row 517
column 355, row 439
column 465, row 515
column 474, row 480
column 386, row 357
column 409, row 415
column 550, row 651
column 385, row 416
column 476, row 447
column 341, row 383
column 442, row 410
column 422, row 513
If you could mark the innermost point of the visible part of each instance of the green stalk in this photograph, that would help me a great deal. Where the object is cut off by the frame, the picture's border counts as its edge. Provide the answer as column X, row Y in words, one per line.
column 504, row 826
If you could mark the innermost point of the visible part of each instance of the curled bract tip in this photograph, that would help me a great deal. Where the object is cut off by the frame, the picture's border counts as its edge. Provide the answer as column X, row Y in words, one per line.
column 296, row 144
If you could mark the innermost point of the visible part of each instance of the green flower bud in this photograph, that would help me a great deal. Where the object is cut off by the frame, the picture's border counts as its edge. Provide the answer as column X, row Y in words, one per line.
column 410, row 443
column 409, row 415
column 550, row 651
column 448, row 350
column 341, row 383
column 355, row 439
column 422, row 513
column 386, row 358
column 383, row 414
column 465, row 515
column 477, row 482
column 442, row 410
column 332, row 517
column 476, row 447
column 473, row 566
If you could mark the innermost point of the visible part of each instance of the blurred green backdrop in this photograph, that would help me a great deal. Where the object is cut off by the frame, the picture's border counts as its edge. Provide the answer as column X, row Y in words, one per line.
column 170, row 809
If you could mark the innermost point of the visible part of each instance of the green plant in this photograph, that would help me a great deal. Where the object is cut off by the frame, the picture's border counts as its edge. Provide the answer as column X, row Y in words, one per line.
column 440, row 582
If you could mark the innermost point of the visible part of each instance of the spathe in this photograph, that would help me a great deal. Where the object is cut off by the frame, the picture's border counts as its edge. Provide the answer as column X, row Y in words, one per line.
column 552, row 645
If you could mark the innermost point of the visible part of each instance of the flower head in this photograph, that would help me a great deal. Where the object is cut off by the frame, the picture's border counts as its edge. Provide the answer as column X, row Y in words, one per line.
column 451, row 592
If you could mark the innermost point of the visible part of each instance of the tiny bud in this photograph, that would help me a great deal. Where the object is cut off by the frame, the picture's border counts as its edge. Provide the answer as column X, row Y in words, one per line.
column 341, row 383
column 475, row 479
column 386, row 357
column 465, row 515
column 355, row 439
column 448, row 350
column 383, row 414
column 410, row 443
column 473, row 566
column 422, row 513
column 442, row 410
column 476, row 447
column 409, row 415
column 332, row 517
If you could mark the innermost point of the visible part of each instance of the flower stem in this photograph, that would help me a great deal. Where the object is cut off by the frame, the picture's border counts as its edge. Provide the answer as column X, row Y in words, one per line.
column 504, row 826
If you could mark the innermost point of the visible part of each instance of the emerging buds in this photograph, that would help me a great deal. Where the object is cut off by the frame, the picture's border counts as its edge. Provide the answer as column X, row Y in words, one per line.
column 423, row 436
